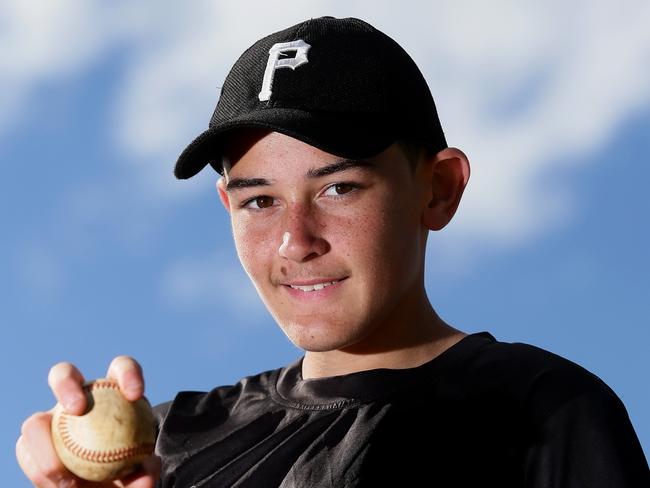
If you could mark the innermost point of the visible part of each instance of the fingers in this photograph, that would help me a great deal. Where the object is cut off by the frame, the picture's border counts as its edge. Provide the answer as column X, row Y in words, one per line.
column 66, row 382
column 128, row 374
column 34, row 449
column 36, row 456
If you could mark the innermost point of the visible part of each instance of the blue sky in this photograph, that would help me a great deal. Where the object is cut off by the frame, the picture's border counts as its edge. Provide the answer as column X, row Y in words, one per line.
column 104, row 253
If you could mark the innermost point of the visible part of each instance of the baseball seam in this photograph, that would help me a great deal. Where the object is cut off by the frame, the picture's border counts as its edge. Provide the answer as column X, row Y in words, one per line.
column 103, row 456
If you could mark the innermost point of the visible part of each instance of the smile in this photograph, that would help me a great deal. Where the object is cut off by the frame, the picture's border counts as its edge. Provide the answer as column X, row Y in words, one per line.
column 316, row 287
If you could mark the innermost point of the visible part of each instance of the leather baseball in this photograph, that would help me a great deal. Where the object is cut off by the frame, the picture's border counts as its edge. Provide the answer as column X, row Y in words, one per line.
column 108, row 441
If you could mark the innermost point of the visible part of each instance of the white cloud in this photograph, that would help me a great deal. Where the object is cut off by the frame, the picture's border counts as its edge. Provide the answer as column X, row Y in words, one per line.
column 585, row 72
column 173, row 84
column 215, row 280
column 46, row 41
column 523, row 88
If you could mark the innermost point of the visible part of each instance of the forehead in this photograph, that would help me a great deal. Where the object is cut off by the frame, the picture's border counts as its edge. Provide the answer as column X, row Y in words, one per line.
column 256, row 152
column 258, row 149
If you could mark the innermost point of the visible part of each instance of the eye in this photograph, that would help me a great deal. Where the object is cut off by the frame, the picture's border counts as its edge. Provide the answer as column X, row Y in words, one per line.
column 257, row 203
column 339, row 189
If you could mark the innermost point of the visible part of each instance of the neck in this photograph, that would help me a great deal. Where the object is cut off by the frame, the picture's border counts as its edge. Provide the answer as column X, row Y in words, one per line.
column 412, row 335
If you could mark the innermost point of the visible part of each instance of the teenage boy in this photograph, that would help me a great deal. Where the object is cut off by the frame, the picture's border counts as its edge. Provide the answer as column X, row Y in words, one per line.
column 334, row 171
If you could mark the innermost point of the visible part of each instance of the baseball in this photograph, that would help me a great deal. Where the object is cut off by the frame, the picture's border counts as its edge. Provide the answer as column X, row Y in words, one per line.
column 110, row 439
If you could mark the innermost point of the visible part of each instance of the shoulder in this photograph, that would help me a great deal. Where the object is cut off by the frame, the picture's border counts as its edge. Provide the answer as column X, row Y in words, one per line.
column 524, row 360
column 212, row 406
column 576, row 427
column 194, row 420
column 541, row 381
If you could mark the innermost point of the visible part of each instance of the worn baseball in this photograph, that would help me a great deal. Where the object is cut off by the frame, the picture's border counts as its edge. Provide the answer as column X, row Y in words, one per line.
column 108, row 441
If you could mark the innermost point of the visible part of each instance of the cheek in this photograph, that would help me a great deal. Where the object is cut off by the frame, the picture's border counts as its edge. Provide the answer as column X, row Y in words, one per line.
column 255, row 246
column 360, row 239
column 386, row 242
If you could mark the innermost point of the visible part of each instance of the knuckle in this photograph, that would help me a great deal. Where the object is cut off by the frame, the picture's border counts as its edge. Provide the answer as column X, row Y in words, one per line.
column 51, row 473
column 25, row 427
column 31, row 422
column 20, row 447
column 44, row 476
column 38, row 479
column 27, row 465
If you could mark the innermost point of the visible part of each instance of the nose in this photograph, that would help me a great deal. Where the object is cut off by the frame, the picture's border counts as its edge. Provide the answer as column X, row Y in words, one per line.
column 301, row 239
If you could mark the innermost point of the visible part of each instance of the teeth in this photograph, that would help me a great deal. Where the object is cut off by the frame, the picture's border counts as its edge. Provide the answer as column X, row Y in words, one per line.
column 318, row 286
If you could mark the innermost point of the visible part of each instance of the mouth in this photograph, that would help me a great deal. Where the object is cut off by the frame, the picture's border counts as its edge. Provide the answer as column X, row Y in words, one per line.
column 315, row 285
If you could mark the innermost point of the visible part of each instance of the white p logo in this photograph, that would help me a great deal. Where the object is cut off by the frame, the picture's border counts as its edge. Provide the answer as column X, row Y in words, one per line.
column 274, row 62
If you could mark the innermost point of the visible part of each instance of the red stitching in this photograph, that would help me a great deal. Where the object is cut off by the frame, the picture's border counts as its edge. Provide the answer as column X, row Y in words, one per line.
column 101, row 457
column 98, row 384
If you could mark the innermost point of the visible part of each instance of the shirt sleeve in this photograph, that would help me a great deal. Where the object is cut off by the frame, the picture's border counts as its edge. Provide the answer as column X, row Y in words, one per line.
column 585, row 439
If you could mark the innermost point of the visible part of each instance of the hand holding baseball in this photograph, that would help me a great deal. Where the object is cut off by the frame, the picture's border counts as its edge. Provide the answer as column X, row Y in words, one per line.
column 92, row 453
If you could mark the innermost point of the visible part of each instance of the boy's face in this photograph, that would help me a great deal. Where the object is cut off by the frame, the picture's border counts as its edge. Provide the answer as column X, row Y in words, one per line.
column 301, row 216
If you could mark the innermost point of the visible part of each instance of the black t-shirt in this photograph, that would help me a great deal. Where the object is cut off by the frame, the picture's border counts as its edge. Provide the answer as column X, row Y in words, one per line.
column 482, row 414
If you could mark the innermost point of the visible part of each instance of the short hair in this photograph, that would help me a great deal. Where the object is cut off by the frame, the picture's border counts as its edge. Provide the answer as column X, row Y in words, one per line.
column 414, row 152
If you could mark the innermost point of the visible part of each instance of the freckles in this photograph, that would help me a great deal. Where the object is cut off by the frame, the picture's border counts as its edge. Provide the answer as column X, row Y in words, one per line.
column 251, row 246
column 364, row 225
column 369, row 238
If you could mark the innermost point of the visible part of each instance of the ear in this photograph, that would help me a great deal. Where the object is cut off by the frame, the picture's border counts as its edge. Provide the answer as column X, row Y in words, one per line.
column 223, row 195
column 448, row 175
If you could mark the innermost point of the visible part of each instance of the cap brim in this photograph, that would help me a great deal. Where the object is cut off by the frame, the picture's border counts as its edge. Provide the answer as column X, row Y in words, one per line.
column 347, row 136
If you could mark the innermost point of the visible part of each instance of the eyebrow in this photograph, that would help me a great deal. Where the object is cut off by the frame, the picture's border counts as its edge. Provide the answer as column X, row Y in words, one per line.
column 240, row 183
column 312, row 173
column 342, row 165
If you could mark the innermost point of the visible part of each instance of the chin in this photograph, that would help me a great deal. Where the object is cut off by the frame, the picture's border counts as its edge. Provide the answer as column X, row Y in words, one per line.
column 319, row 337
column 313, row 343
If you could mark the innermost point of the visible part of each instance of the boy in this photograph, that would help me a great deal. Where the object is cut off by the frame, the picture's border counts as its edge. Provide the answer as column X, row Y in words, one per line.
column 334, row 170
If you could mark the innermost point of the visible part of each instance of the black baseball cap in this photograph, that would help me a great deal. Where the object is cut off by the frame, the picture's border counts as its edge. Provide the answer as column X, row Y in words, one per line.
column 336, row 84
